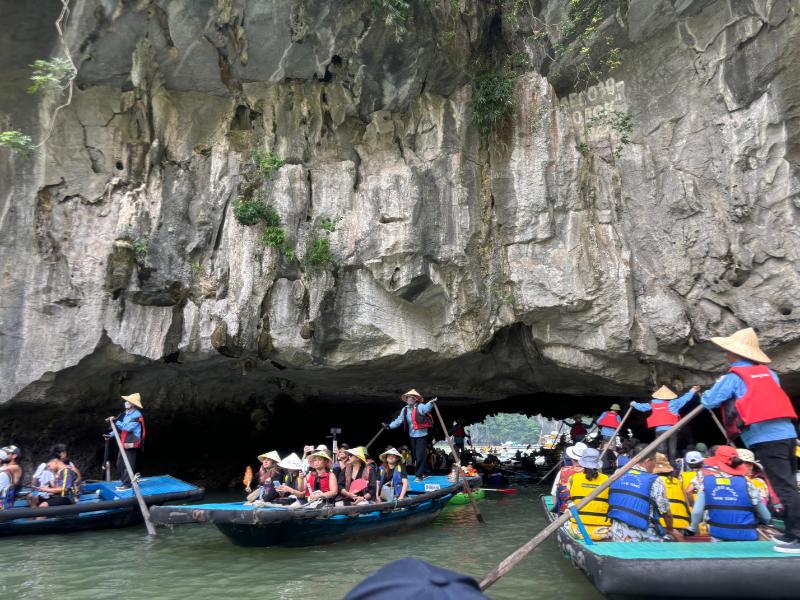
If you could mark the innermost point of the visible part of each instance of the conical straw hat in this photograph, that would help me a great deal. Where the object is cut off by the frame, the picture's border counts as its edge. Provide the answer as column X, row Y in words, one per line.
column 664, row 393
column 360, row 452
column 272, row 455
column 743, row 343
column 411, row 393
column 135, row 399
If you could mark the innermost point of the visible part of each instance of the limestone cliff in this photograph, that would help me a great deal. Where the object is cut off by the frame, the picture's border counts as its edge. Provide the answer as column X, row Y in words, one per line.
column 623, row 212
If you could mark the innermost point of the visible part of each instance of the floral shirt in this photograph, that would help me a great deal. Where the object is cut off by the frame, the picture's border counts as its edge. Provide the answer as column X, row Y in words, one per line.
column 622, row 532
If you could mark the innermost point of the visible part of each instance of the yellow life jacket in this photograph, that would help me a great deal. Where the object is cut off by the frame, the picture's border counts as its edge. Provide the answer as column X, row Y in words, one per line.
column 678, row 503
column 595, row 514
column 686, row 479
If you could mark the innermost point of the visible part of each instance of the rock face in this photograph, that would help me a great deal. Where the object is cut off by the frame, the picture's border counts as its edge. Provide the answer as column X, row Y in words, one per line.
column 588, row 245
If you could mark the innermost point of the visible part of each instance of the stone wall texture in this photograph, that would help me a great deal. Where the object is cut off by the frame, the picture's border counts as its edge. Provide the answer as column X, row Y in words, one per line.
column 550, row 257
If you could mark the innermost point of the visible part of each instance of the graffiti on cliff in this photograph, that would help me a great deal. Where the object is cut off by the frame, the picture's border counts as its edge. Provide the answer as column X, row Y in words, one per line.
column 587, row 109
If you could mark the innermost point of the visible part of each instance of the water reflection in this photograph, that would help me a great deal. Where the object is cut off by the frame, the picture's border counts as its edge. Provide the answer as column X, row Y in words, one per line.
column 198, row 561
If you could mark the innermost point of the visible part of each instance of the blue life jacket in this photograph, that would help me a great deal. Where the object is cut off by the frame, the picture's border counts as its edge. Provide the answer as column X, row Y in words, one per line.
column 397, row 480
column 629, row 500
column 731, row 515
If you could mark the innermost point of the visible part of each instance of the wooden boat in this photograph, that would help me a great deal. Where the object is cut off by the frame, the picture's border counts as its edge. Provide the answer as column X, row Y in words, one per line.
column 248, row 525
column 100, row 507
column 697, row 569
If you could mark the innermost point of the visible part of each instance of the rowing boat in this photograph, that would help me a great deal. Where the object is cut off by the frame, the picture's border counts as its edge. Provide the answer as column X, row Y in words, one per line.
column 264, row 526
column 101, row 506
column 697, row 569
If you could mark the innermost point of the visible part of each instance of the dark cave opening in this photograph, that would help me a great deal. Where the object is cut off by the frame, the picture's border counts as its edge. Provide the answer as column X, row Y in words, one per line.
column 210, row 443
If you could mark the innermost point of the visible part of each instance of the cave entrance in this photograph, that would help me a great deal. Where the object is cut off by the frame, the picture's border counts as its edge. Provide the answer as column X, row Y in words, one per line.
column 211, row 442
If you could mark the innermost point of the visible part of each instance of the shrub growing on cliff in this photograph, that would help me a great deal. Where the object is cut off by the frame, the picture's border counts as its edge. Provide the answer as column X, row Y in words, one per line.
column 267, row 163
column 251, row 211
column 318, row 255
column 16, row 140
column 51, row 76
column 492, row 99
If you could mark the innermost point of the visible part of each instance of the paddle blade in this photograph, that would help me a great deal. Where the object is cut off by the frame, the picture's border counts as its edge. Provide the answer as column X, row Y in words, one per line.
column 358, row 485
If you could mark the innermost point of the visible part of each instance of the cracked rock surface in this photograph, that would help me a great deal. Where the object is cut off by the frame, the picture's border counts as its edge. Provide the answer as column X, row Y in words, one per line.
column 550, row 257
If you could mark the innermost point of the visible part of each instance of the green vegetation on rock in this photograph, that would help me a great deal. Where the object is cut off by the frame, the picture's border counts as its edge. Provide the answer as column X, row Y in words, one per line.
column 16, row 140
column 492, row 99
column 50, row 76
column 251, row 211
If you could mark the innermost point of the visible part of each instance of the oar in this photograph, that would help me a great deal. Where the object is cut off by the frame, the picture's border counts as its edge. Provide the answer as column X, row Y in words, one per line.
column 457, row 458
column 142, row 505
column 721, row 427
column 377, row 435
column 106, row 461
column 546, row 475
column 513, row 559
column 501, row 490
column 614, row 437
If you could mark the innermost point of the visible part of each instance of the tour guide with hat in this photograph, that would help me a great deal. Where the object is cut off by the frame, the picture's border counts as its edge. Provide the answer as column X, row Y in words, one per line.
column 755, row 407
column 665, row 408
column 416, row 419
column 609, row 421
column 132, row 433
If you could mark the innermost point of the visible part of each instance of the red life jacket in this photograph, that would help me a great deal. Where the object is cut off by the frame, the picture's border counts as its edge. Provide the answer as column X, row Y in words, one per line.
column 425, row 422
column 610, row 419
column 322, row 484
column 764, row 400
column 135, row 442
column 660, row 415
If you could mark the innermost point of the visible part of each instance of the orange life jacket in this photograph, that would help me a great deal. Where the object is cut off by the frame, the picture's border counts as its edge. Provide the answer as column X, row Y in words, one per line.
column 764, row 400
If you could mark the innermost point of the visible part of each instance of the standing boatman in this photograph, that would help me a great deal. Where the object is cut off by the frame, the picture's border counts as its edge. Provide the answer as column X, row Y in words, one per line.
column 132, row 433
column 416, row 419
column 608, row 421
column 665, row 408
column 755, row 407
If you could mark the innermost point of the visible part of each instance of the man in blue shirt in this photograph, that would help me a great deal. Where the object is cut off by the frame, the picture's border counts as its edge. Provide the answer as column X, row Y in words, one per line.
column 131, row 431
column 751, row 393
column 671, row 415
column 416, row 419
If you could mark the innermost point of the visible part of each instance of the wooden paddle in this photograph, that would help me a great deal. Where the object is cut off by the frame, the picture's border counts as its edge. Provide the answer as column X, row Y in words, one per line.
column 721, row 428
column 501, row 490
column 135, row 484
column 514, row 558
column 614, row 437
column 457, row 458
column 372, row 441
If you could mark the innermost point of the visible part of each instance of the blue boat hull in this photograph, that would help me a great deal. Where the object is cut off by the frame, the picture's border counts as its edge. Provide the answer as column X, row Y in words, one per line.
column 100, row 507
column 335, row 529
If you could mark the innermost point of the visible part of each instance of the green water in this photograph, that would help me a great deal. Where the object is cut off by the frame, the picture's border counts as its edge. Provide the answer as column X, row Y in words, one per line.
column 198, row 562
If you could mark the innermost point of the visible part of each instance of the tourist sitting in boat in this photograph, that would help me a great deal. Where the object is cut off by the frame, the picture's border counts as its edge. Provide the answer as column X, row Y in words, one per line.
column 625, row 451
column 61, row 451
column 357, row 485
column 637, row 501
column 321, row 484
column 42, row 477
column 595, row 514
column 292, row 485
column 5, row 479
column 693, row 462
column 678, row 501
column 560, row 491
column 15, row 473
column 267, row 473
column 729, row 503
column 63, row 490
column 342, row 458
column 392, row 481
column 755, row 474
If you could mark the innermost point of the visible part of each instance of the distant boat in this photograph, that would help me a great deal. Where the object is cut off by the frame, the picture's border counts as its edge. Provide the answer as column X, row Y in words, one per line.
column 100, row 507
column 247, row 525
column 696, row 569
